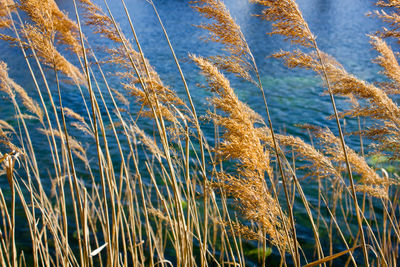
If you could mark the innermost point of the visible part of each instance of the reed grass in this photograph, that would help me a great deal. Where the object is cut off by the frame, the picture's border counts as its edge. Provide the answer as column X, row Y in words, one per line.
column 114, row 193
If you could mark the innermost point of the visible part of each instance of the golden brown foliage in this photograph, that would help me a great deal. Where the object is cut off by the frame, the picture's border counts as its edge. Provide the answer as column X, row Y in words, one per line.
column 391, row 18
column 52, row 21
column 242, row 144
column 74, row 144
column 99, row 21
column 141, row 80
column 387, row 60
column 154, row 87
column 241, row 140
column 287, row 20
column 227, row 32
column 45, row 49
column 5, row 5
column 122, row 196
column 370, row 181
column 256, row 204
column 318, row 165
column 242, row 230
column 8, row 86
column 377, row 104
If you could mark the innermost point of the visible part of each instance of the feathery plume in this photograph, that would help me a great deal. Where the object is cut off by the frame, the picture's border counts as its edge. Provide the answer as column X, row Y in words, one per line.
column 154, row 89
column 392, row 18
column 257, row 204
column 5, row 126
column 75, row 145
column 6, row 132
column 389, row 3
column 242, row 230
column 52, row 21
column 238, row 123
column 242, row 144
column 51, row 27
column 5, row 80
column 80, row 124
column 147, row 141
column 386, row 59
column 151, row 88
column 318, row 165
column 69, row 112
column 374, row 191
column 5, row 21
column 287, row 20
column 370, row 181
column 27, row 101
column 8, row 86
column 226, row 31
column 42, row 43
column 99, row 21
column 376, row 105
column 121, row 97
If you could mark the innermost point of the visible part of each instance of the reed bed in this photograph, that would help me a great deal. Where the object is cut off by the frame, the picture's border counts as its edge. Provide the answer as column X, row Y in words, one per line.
column 169, row 196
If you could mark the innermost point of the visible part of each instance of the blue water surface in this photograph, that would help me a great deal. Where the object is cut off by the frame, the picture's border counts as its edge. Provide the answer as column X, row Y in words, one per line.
column 294, row 96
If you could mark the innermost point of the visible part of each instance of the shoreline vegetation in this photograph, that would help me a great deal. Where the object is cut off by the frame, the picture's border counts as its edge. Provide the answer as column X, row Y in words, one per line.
column 172, row 197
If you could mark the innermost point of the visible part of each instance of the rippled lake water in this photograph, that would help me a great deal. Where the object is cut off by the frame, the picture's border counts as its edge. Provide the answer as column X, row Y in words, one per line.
column 295, row 96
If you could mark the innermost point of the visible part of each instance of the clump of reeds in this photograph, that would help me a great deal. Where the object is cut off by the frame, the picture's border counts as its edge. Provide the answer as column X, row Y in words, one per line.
column 238, row 59
column 288, row 21
column 52, row 20
column 378, row 106
column 370, row 181
column 43, row 44
column 51, row 27
column 139, row 78
column 137, row 203
column 240, row 142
